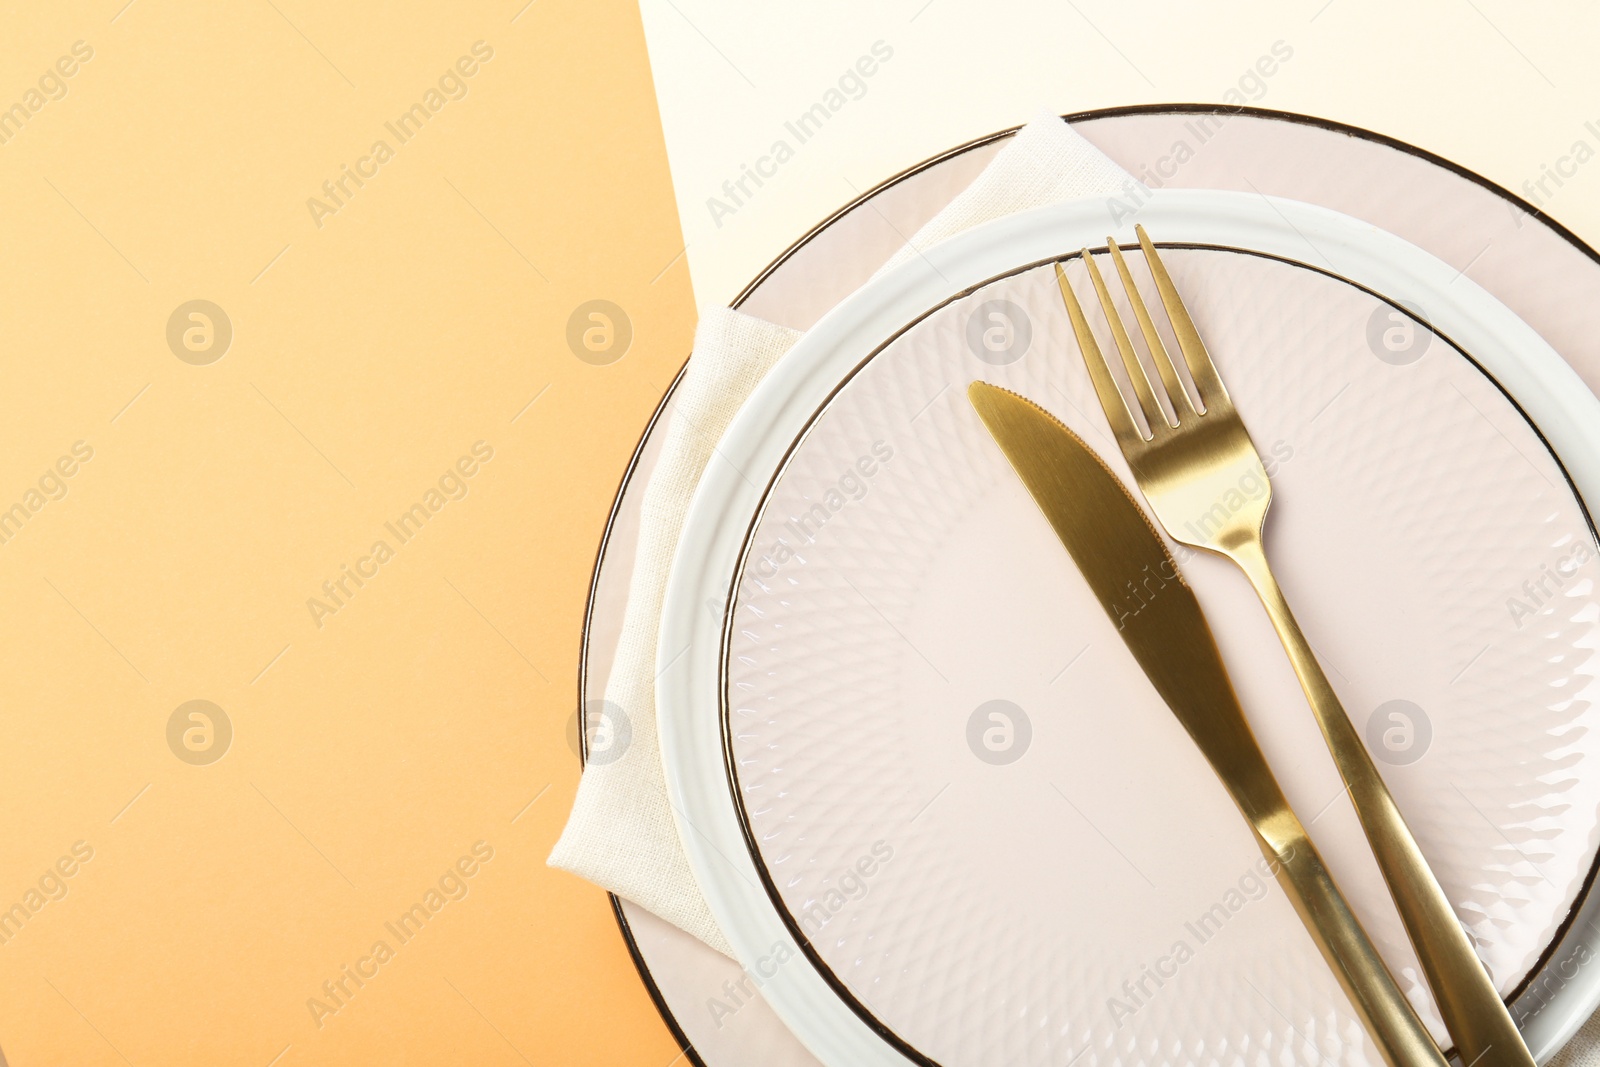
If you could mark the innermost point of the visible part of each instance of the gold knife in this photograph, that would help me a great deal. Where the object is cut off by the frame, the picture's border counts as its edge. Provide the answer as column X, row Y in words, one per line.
column 1114, row 544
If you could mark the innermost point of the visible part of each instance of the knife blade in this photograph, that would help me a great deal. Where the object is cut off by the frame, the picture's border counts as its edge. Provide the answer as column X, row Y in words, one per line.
column 1141, row 589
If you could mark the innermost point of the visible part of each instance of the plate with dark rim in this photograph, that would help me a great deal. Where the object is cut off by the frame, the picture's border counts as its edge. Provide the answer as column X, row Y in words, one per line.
column 892, row 606
column 1541, row 270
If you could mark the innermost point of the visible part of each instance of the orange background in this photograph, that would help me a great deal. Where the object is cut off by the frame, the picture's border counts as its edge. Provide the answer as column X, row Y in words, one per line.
column 368, row 354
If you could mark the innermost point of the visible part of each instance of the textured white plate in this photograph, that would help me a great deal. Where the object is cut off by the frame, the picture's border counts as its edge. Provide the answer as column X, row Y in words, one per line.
column 921, row 996
column 1526, row 260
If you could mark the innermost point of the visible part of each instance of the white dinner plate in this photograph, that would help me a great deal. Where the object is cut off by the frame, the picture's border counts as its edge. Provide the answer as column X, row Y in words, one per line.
column 1522, row 255
column 805, row 987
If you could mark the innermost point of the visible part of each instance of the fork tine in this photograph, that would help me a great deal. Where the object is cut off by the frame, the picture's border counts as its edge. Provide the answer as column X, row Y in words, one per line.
column 1154, row 416
column 1112, row 402
column 1177, row 395
column 1206, row 382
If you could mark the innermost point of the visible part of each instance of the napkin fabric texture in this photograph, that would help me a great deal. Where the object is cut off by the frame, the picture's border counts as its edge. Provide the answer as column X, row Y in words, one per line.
column 621, row 835
column 1045, row 163
column 1584, row 1048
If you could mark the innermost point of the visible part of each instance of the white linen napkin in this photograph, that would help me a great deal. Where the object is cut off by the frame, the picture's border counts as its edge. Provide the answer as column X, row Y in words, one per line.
column 621, row 835
column 1583, row 1050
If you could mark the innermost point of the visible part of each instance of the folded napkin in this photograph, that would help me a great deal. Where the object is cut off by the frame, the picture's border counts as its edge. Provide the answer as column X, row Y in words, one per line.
column 621, row 835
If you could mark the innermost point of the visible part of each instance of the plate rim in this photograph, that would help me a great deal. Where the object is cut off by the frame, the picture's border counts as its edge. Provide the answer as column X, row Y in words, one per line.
column 1534, row 374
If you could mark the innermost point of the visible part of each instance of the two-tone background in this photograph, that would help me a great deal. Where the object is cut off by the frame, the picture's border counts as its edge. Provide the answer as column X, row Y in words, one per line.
column 328, row 333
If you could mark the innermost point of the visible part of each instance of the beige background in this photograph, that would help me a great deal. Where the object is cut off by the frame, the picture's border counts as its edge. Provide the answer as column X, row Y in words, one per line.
column 368, row 354
column 1499, row 87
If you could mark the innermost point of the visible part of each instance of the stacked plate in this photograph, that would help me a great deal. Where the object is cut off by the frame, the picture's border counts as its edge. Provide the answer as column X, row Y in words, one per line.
column 935, row 806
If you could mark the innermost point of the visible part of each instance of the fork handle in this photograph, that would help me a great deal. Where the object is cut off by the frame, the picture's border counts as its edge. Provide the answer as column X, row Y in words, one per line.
column 1477, row 1018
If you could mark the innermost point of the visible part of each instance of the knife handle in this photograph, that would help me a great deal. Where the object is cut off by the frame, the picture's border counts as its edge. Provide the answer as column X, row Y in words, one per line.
column 1468, row 1001
column 1388, row 1016
column 1213, row 718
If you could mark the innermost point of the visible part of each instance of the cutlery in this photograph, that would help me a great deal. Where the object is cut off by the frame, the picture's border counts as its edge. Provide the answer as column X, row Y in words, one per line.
column 1189, row 459
column 1115, row 546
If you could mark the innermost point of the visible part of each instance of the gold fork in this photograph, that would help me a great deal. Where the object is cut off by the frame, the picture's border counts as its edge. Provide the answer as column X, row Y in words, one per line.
column 1190, row 465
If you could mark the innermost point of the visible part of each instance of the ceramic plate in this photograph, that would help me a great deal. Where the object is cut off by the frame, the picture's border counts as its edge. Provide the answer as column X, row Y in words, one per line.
column 1537, row 268
column 862, row 684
